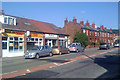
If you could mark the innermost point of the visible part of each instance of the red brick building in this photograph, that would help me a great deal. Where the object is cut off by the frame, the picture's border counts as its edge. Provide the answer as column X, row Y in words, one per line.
column 94, row 34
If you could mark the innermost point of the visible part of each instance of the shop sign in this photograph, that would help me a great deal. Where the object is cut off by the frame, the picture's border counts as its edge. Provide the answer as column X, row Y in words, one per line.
column 36, row 35
column 62, row 38
column 51, row 36
column 13, row 33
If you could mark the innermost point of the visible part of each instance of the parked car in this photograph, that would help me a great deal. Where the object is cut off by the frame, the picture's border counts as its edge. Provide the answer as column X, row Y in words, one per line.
column 73, row 43
column 116, row 45
column 38, row 51
column 76, row 47
column 104, row 46
column 60, row 50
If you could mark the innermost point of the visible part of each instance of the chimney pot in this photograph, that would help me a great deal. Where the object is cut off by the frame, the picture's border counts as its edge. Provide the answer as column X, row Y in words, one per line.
column 66, row 21
column 74, row 20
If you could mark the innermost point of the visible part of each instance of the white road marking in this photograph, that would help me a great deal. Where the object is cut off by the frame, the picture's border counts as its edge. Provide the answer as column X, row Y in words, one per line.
column 9, row 72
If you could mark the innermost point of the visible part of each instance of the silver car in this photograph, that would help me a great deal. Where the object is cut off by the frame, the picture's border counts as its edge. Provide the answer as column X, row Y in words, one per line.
column 76, row 47
column 38, row 51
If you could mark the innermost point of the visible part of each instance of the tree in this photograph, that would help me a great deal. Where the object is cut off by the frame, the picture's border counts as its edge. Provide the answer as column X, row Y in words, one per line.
column 82, row 38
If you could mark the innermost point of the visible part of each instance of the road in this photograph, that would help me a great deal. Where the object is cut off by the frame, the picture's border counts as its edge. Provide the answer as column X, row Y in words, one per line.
column 94, row 66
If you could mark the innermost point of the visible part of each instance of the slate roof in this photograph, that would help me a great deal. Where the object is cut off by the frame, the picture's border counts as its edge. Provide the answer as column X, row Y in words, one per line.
column 25, row 24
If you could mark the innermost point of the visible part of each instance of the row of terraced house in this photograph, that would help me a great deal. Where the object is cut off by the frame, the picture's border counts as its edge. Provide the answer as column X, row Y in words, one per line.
column 95, row 34
column 18, row 34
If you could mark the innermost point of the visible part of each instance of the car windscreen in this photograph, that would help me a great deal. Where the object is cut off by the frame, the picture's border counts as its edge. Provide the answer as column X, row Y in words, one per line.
column 102, row 43
column 55, row 47
column 35, row 48
column 73, row 45
column 69, row 44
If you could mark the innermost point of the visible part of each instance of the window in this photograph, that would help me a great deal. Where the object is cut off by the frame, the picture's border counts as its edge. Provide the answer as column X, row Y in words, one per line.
column 15, row 46
column 5, row 19
column 95, row 33
column 83, row 31
column 4, row 38
column 36, row 39
column 21, row 39
column 87, row 32
column 16, row 38
column 20, row 46
column 11, row 38
column 4, row 45
column 32, row 39
column 11, row 46
column 10, row 21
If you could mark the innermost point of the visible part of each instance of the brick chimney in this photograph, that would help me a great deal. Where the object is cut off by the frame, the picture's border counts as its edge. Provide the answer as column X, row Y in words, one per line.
column 105, row 28
column 74, row 20
column 101, row 27
column 93, row 25
column 110, row 30
column 1, row 12
column 66, row 21
column 81, row 22
column 87, row 24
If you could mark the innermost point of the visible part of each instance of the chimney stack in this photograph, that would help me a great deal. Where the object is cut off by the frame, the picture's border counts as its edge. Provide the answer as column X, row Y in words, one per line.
column 74, row 20
column 110, row 30
column 66, row 21
column 105, row 28
column 101, row 27
column 93, row 25
column 87, row 24
column 81, row 22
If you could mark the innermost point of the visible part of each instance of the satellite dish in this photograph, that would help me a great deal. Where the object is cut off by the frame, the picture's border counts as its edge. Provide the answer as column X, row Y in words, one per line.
column 28, row 33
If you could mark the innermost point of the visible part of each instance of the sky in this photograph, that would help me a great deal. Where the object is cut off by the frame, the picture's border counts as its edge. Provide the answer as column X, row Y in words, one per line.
column 101, row 13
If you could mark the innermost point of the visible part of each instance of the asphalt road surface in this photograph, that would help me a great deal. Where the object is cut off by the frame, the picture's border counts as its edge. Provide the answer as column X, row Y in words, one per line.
column 100, row 66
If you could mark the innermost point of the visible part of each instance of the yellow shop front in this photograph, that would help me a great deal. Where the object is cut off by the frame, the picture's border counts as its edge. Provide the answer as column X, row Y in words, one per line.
column 12, row 43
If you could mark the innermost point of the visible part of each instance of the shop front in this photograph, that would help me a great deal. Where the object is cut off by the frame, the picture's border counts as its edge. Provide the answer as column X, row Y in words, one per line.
column 35, row 39
column 12, row 43
column 63, row 40
column 51, row 40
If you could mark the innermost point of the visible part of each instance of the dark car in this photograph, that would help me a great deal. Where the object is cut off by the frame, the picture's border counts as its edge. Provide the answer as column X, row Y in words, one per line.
column 104, row 46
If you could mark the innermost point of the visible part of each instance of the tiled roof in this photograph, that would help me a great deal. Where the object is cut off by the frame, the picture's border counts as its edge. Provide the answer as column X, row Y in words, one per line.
column 25, row 24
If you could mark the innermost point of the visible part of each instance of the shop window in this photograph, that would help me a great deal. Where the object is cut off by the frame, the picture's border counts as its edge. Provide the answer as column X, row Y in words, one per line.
column 10, row 46
column 40, row 39
column 32, row 39
column 15, row 46
column 20, row 46
column 4, row 38
column 21, row 39
column 16, row 38
column 4, row 45
column 36, row 39
column 11, row 38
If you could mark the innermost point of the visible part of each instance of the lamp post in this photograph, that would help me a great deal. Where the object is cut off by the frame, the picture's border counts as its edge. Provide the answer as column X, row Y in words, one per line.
column 26, row 34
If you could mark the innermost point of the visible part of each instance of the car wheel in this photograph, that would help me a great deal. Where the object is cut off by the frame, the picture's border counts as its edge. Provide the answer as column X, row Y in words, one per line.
column 68, row 52
column 50, row 54
column 37, row 56
column 77, row 51
column 60, row 53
